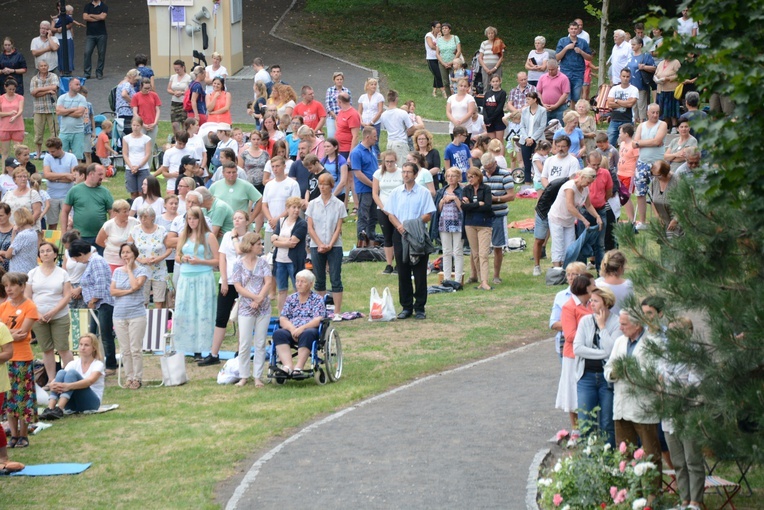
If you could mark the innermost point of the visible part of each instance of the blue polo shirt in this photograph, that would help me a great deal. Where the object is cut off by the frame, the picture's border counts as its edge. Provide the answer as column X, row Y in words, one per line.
column 408, row 205
column 573, row 64
column 363, row 159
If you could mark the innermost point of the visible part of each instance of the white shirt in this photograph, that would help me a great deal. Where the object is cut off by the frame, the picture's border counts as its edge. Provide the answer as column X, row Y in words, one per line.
column 137, row 149
column 560, row 168
column 459, row 108
column 95, row 366
column 371, row 107
column 396, row 122
column 51, row 57
column 47, row 291
column 157, row 205
column 263, row 76
column 685, row 27
column 430, row 53
column 171, row 160
column 229, row 250
column 275, row 195
column 619, row 59
column 222, row 72
column 559, row 213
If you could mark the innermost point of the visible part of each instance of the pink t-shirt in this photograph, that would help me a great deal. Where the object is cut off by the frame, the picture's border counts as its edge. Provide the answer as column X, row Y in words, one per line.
column 6, row 105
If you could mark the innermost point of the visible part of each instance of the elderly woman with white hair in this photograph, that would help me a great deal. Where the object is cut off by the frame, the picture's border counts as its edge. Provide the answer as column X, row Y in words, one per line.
column 491, row 56
column 536, row 62
column 299, row 320
column 573, row 195
column 150, row 239
column 619, row 58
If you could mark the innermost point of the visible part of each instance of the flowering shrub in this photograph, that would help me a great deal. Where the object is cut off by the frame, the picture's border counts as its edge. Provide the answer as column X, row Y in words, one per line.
column 594, row 475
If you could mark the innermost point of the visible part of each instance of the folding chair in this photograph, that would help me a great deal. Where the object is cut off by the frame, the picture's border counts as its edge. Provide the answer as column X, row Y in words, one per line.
column 80, row 319
column 153, row 340
column 724, row 488
column 54, row 237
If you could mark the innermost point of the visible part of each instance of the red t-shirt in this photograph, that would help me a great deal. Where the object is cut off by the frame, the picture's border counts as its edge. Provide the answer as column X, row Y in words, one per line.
column 146, row 104
column 346, row 120
column 598, row 189
column 101, row 144
column 311, row 113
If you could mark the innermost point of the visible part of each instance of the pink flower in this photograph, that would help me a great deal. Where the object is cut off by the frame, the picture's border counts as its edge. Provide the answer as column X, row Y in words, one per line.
column 639, row 454
column 622, row 447
column 562, row 434
column 621, row 496
column 613, row 491
column 621, row 468
column 557, row 500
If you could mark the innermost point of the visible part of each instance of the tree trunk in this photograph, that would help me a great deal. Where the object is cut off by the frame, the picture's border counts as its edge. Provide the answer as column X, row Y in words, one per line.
column 604, row 24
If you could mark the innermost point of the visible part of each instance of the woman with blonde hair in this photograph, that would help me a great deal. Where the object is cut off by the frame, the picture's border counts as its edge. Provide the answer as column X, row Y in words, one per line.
column 611, row 277
column 315, row 146
column 258, row 105
column 253, row 281
column 284, row 97
column 24, row 197
column 195, row 303
column 115, row 232
column 587, row 124
column 371, row 104
column 478, row 224
column 449, row 222
column 574, row 133
column 215, row 70
column 198, row 96
column 384, row 181
column 125, row 93
column 22, row 253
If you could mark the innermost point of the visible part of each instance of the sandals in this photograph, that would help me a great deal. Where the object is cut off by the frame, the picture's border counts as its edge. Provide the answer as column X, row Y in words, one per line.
column 23, row 442
column 10, row 467
column 13, row 441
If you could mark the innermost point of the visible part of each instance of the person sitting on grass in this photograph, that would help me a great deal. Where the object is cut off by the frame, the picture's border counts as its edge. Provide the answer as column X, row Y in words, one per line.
column 79, row 386
column 302, row 314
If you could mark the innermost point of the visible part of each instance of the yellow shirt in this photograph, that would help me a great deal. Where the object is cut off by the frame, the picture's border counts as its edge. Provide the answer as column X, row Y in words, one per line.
column 5, row 338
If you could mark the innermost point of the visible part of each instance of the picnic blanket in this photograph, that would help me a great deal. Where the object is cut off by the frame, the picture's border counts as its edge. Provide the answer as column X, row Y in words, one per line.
column 527, row 223
column 52, row 469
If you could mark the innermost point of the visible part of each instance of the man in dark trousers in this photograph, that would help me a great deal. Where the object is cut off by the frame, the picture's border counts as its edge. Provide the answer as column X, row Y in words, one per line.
column 94, row 14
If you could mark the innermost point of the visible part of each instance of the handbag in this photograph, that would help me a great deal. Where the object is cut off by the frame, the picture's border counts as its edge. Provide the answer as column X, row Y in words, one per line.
column 647, row 76
column 173, row 366
column 678, row 91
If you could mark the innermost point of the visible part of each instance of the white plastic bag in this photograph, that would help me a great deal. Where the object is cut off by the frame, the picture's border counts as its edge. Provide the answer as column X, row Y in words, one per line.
column 229, row 374
column 381, row 309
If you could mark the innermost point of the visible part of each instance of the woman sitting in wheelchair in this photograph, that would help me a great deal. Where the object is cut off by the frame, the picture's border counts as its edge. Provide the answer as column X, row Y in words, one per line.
column 302, row 314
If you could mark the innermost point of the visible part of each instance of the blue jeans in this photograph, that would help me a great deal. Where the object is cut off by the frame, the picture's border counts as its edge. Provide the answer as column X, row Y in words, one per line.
column 367, row 215
column 92, row 241
column 334, row 258
column 79, row 400
column 576, row 86
column 284, row 273
column 92, row 42
column 557, row 114
column 599, row 248
column 594, row 390
column 104, row 313
column 612, row 131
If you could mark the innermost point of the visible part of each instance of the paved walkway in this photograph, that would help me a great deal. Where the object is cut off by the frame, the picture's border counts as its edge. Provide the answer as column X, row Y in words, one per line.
column 461, row 439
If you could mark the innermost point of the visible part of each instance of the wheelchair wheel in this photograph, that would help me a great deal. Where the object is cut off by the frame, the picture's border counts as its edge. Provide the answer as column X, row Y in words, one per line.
column 320, row 376
column 280, row 379
column 518, row 175
column 333, row 355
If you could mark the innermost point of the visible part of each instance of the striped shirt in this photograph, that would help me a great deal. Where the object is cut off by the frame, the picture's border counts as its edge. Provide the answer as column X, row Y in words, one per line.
column 46, row 103
column 500, row 183
column 331, row 98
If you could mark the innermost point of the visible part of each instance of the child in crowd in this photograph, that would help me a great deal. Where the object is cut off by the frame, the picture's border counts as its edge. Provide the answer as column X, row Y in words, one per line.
column 587, row 124
column 410, row 107
column 141, row 65
column 103, row 144
column 543, row 148
column 476, row 125
column 458, row 71
column 512, row 120
column 238, row 135
column 608, row 152
column 457, row 153
column 36, row 182
column 496, row 148
column 627, row 163
column 292, row 140
column 89, row 122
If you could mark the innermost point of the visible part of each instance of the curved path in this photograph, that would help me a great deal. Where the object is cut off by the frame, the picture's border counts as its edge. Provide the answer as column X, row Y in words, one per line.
column 461, row 439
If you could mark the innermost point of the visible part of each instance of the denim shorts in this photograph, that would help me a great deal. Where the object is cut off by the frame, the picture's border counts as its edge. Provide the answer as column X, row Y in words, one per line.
column 134, row 181
column 540, row 228
column 642, row 178
column 284, row 273
column 499, row 232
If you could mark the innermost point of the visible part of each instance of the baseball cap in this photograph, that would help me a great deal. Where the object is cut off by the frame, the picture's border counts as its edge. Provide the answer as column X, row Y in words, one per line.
column 188, row 160
column 12, row 162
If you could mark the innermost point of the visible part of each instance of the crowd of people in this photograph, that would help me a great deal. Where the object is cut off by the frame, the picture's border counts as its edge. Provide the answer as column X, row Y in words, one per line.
column 259, row 205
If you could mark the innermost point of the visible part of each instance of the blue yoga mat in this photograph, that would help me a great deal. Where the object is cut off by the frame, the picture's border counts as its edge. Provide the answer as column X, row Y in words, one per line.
column 225, row 355
column 52, row 469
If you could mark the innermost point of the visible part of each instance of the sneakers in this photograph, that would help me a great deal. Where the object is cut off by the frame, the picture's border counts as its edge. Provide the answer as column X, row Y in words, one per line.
column 497, row 281
column 337, row 318
column 388, row 269
column 395, row 270
column 536, row 270
column 209, row 360
column 640, row 226
column 52, row 414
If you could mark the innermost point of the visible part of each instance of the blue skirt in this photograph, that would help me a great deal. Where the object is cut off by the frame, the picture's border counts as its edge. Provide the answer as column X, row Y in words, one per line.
column 669, row 105
column 195, row 309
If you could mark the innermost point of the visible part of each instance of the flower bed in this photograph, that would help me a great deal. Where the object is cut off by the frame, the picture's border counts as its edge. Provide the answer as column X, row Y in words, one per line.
column 587, row 474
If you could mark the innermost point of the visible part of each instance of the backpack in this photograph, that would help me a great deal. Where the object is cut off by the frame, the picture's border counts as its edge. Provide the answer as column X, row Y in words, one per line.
column 187, row 100
column 113, row 99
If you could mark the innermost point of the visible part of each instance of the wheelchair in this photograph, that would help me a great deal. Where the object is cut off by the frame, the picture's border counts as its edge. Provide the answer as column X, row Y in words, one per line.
column 325, row 358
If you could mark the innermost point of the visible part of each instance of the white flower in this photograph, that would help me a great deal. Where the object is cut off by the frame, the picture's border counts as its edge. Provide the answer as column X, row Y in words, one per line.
column 591, row 440
column 558, row 467
column 588, row 450
column 606, row 447
column 566, row 507
column 641, row 468
column 639, row 504
column 545, row 482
